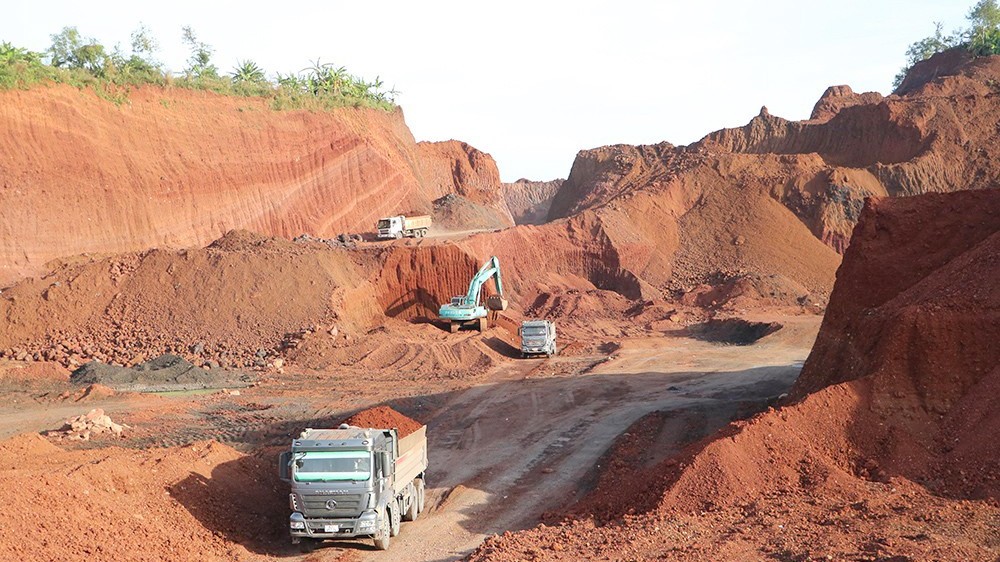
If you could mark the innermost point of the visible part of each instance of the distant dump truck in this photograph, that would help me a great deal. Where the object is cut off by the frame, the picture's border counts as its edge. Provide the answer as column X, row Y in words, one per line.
column 400, row 226
column 538, row 337
column 354, row 482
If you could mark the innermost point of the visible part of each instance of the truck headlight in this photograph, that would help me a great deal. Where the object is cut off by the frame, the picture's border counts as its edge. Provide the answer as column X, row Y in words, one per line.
column 297, row 524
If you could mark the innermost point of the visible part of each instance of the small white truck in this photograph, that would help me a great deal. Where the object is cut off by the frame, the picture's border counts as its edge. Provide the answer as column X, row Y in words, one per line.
column 400, row 226
column 538, row 337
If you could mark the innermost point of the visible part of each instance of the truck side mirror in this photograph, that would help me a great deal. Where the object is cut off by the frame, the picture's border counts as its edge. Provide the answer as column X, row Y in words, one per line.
column 285, row 466
column 386, row 463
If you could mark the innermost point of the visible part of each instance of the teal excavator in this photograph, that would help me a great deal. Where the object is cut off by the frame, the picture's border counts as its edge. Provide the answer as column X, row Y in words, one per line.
column 467, row 309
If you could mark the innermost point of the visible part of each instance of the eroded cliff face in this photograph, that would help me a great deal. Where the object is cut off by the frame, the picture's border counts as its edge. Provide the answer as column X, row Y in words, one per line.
column 177, row 168
column 938, row 135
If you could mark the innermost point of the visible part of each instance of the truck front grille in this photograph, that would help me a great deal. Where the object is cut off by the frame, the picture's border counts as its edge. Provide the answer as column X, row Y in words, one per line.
column 345, row 505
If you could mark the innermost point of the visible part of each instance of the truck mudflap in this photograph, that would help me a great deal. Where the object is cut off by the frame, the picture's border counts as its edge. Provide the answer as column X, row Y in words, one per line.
column 366, row 525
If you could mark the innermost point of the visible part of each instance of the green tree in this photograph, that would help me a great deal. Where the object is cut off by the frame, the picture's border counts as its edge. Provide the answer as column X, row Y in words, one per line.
column 984, row 32
column 71, row 50
column 200, row 64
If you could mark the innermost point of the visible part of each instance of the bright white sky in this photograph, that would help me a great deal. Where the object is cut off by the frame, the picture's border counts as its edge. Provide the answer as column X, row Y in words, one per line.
column 533, row 82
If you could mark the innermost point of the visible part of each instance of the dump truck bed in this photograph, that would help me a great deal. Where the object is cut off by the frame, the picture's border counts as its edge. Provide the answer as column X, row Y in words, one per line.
column 412, row 458
column 422, row 221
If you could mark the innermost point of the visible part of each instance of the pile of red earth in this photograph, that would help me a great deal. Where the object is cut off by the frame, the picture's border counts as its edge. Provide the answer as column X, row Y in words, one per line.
column 202, row 501
column 888, row 452
column 384, row 417
column 230, row 304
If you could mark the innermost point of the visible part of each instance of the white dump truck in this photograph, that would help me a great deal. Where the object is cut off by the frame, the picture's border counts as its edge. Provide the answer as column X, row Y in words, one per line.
column 400, row 226
column 354, row 482
column 538, row 337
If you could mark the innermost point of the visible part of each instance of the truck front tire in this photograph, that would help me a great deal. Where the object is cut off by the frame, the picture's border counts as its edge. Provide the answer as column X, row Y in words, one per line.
column 394, row 520
column 381, row 539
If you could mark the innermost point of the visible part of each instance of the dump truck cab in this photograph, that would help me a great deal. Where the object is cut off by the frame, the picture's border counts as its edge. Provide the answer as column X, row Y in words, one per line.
column 538, row 337
column 353, row 482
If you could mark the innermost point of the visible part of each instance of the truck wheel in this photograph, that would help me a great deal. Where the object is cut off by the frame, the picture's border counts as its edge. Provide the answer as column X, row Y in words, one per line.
column 307, row 545
column 420, row 495
column 394, row 520
column 381, row 539
column 453, row 327
column 484, row 323
column 411, row 510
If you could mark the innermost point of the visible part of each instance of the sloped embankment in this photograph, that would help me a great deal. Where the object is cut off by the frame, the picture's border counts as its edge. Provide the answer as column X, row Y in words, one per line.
column 887, row 455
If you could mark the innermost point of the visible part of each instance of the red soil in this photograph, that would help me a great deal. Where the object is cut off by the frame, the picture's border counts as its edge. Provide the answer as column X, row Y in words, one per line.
column 180, row 168
column 891, row 465
column 203, row 501
column 384, row 417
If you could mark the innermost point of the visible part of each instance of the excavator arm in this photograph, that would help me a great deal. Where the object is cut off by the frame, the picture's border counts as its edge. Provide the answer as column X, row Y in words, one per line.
column 467, row 308
column 490, row 269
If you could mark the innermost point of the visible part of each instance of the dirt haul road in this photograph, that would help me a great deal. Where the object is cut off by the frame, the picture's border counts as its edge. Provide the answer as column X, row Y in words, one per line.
column 503, row 453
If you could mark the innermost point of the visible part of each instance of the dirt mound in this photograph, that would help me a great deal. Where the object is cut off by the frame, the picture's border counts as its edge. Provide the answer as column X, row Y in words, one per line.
column 735, row 331
column 454, row 213
column 202, row 501
column 179, row 168
column 890, row 465
column 529, row 201
column 32, row 371
column 231, row 304
column 917, row 269
column 166, row 372
column 936, row 137
column 455, row 167
column 401, row 350
column 384, row 417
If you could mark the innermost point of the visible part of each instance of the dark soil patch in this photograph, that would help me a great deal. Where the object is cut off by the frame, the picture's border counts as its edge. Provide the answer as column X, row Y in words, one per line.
column 166, row 372
column 733, row 331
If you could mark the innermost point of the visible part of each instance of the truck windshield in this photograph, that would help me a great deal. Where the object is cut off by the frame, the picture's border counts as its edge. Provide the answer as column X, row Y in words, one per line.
column 322, row 466
column 382, row 223
column 533, row 331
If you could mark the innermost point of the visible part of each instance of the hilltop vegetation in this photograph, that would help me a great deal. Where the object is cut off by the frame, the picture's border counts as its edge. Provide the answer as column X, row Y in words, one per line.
column 981, row 38
column 84, row 62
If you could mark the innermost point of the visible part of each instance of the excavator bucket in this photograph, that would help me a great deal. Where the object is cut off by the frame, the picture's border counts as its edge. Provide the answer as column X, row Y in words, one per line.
column 496, row 302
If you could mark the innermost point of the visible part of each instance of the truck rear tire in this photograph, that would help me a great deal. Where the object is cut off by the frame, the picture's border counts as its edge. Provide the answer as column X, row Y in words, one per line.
column 381, row 539
column 420, row 495
column 412, row 509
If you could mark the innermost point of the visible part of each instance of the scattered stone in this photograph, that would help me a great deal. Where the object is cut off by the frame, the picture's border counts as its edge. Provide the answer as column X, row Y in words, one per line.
column 83, row 427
